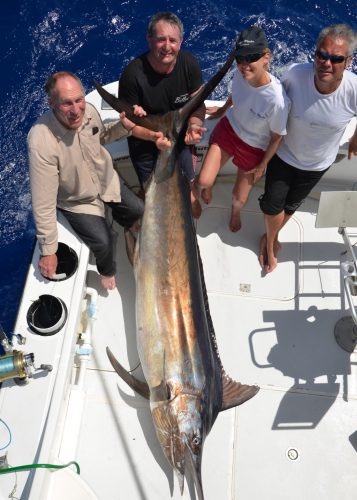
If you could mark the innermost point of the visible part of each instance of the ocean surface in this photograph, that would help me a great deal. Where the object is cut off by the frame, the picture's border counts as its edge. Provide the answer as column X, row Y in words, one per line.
column 96, row 39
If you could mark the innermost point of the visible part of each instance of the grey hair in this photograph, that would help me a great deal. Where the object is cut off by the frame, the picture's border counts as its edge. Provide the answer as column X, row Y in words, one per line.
column 339, row 31
column 168, row 17
column 52, row 80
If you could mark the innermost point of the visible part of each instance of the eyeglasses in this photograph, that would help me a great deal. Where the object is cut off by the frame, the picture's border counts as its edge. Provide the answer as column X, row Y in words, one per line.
column 250, row 58
column 325, row 56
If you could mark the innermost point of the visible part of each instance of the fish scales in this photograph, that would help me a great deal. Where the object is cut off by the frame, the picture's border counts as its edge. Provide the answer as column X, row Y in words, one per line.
column 166, row 267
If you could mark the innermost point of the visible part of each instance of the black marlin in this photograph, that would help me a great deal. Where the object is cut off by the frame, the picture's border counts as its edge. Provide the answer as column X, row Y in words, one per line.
column 185, row 381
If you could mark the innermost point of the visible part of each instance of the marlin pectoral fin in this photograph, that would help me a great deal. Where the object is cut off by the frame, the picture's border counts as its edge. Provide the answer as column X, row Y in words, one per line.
column 137, row 385
column 160, row 392
column 234, row 393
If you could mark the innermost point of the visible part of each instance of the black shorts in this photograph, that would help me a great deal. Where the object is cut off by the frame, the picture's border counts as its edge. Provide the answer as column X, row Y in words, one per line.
column 286, row 187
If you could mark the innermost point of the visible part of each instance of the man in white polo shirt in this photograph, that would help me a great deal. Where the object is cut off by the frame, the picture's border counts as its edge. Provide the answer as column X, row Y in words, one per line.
column 323, row 98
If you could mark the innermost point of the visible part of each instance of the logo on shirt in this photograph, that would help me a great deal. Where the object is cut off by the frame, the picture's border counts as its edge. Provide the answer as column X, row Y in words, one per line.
column 182, row 98
column 258, row 115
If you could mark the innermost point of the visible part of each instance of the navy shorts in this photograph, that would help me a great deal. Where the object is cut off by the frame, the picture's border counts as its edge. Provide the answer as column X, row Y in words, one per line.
column 286, row 187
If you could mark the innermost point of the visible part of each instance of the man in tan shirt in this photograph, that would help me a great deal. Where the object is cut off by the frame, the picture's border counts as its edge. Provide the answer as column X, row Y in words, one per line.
column 70, row 170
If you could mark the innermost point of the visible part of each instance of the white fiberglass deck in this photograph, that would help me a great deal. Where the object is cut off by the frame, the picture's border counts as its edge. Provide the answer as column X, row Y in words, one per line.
column 297, row 438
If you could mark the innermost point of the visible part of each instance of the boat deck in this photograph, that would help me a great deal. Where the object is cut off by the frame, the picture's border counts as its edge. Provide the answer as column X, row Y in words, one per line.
column 296, row 439
column 273, row 330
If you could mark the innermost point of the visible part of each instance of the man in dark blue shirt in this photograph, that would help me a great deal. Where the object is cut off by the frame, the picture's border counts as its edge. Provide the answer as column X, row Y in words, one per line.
column 161, row 80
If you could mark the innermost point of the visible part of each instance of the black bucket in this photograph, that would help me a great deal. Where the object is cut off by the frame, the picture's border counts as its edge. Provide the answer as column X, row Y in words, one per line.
column 47, row 315
column 67, row 263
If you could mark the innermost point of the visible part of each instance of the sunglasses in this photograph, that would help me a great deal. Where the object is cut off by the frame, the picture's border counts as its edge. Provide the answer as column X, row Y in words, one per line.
column 250, row 58
column 325, row 56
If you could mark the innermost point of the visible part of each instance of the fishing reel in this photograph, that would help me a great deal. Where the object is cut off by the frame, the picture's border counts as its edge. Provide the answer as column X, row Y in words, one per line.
column 16, row 364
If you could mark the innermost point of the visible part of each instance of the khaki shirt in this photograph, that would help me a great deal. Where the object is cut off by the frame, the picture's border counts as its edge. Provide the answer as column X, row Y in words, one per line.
column 70, row 169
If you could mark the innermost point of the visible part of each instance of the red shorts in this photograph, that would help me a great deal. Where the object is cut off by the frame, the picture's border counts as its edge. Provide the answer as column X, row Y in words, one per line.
column 245, row 156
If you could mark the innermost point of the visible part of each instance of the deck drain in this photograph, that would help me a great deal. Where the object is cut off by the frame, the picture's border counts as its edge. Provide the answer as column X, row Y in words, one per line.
column 245, row 287
column 292, row 454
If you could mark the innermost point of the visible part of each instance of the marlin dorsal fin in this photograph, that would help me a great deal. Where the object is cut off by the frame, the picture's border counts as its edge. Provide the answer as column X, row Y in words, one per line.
column 235, row 393
column 137, row 385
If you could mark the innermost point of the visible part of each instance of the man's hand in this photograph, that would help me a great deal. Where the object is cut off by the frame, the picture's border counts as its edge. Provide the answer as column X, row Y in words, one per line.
column 138, row 110
column 48, row 265
column 194, row 134
column 258, row 170
column 161, row 141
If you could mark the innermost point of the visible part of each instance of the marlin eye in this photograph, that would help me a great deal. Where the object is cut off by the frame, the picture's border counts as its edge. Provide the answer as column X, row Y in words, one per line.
column 196, row 441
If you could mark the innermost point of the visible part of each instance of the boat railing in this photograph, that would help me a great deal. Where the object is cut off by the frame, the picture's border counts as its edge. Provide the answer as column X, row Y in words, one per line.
column 350, row 268
column 339, row 209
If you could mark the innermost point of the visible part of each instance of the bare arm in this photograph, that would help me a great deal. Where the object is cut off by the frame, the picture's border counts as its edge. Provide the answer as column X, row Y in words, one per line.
column 160, row 140
column 125, row 127
column 352, row 147
column 195, row 129
column 269, row 153
column 44, row 187
column 219, row 111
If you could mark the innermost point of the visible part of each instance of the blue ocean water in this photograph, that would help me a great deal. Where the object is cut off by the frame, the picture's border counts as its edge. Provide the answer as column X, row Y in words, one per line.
column 96, row 39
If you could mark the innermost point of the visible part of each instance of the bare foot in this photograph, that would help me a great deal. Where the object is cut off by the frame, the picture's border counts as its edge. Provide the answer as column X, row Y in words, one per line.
column 272, row 263
column 272, row 257
column 263, row 255
column 235, row 222
column 206, row 195
column 108, row 282
column 277, row 247
column 267, row 260
column 135, row 228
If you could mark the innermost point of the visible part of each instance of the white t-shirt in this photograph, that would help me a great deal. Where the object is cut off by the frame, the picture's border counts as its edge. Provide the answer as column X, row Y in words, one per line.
column 258, row 111
column 316, row 121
